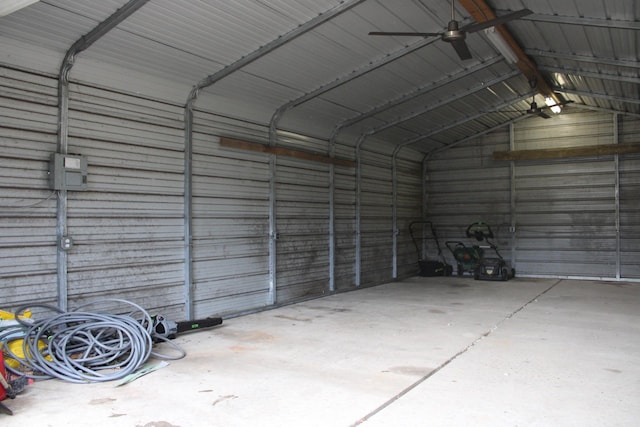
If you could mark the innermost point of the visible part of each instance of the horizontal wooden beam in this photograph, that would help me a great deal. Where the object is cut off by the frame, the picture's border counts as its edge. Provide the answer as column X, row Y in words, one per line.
column 281, row 151
column 565, row 153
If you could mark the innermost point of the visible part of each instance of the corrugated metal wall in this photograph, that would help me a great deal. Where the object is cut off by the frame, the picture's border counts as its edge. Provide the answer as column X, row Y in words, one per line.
column 408, row 209
column 629, row 167
column 465, row 185
column 128, row 226
column 230, row 219
column 28, row 125
column 302, row 210
column 344, row 216
column 376, row 217
column 565, row 212
column 566, row 209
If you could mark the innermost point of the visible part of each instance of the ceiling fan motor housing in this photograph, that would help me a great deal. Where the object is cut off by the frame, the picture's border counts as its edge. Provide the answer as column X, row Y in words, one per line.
column 453, row 32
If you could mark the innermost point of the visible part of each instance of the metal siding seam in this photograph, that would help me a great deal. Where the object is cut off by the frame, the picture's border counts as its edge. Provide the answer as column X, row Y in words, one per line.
column 616, row 159
column 273, row 233
column 394, row 216
column 358, row 255
column 332, row 221
column 513, row 193
column 63, row 129
column 394, row 204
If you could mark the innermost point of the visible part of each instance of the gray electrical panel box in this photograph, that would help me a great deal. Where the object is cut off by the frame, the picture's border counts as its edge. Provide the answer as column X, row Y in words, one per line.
column 68, row 172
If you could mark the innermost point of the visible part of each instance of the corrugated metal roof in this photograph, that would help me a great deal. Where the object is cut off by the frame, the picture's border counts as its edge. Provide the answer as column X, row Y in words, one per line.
column 406, row 87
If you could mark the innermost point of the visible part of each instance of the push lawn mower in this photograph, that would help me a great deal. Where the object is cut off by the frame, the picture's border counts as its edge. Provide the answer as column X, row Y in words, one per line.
column 418, row 231
column 488, row 267
column 467, row 257
column 473, row 259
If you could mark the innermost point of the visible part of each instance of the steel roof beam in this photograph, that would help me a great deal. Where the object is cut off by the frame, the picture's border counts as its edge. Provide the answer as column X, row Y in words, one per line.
column 604, row 110
column 469, row 138
column 465, row 120
column 598, row 95
column 372, row 66
column 412, row 95
column 583, row 58
column 444, row 102
column 591, row 74
column 584, row 22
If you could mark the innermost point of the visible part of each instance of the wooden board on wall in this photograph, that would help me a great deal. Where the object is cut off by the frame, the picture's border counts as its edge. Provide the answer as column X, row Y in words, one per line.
column 304, row 155
column 568, row 152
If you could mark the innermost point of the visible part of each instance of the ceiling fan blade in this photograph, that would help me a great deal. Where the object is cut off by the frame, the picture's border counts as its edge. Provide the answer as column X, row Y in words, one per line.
column 461, row 49
column 543, row 115
column 477, row 26
column 564, row 103
column 410, row 34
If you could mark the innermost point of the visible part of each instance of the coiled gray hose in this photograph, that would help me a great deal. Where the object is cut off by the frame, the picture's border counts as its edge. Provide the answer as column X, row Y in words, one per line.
column 83, row 346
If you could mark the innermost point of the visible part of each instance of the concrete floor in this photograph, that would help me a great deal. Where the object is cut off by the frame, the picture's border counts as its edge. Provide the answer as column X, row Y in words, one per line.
column 422, row 352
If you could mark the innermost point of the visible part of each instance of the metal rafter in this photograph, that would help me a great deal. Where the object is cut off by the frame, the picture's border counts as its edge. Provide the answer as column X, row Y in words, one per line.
column 583, row 58
column 467, row 119
column 443, row 102
column 80, row 45
column 584, row 22
column 591, row 74
column 412, row 95
column 598, row 95
column 372, row 66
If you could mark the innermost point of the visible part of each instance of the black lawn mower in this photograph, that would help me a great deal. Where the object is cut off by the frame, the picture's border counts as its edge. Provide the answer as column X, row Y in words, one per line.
column 474, row 259
column 467, row 257
column 421, row 231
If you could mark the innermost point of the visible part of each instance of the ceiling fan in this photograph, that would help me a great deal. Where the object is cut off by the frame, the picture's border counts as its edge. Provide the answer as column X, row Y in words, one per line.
column 539, row 111
column 456, row 35
column 533, row 107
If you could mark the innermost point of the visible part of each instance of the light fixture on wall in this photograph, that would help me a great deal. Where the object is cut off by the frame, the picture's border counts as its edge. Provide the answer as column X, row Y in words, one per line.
column 9, row 6
column 555, row 108
column 499, row 43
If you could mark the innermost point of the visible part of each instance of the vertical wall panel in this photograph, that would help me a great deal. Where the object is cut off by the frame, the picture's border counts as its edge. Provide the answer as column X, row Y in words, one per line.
column 345, row 212
column 28, row 118
column 566, row 208
column 376, row 216
column 230, row 218
column 302, row 209
column 128, row 225
column 409, row 208
column 629, row 132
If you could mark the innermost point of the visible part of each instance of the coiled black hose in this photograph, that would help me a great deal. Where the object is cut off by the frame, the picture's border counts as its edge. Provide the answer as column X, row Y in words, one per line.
column 83, row 346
